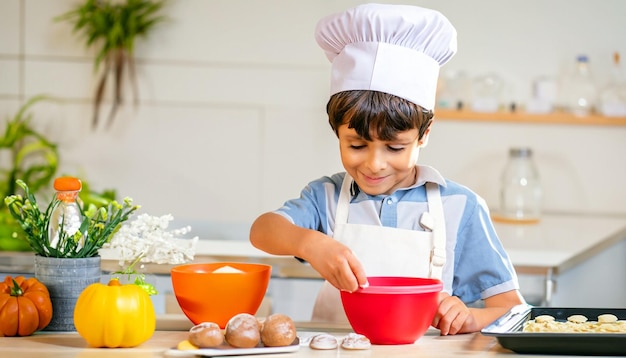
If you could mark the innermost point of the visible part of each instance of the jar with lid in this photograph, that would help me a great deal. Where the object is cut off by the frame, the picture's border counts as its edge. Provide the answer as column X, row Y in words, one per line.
column 66, row 218
column 486, row 93
column 520, row 187
column 578, row 91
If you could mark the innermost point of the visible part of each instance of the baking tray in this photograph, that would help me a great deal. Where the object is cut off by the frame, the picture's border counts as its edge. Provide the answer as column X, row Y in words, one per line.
column 508, row 330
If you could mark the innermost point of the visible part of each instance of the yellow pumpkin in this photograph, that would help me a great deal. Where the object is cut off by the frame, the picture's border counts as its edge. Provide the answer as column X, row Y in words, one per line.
column 114, row 315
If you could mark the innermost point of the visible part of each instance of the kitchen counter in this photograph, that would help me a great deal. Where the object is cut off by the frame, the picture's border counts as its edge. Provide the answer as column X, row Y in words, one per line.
column 558, row 243
column 554, row 245
column 70, row 344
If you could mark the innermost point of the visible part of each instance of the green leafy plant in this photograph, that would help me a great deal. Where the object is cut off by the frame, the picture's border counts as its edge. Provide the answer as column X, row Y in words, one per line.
column 97, row 227
column 31, row 156
column 28, row 155
column 112, row 28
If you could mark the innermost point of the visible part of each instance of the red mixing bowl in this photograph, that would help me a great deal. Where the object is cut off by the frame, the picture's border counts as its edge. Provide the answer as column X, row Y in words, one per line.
column 393, row 310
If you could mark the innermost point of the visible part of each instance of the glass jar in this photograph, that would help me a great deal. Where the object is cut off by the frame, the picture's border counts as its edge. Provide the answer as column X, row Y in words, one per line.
column 487, row 93
column 520, row 187
column 612, row 100
column 578, row 90
column 66, row 217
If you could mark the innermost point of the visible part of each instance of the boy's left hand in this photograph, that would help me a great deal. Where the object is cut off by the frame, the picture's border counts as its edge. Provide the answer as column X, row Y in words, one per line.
column 453, row 316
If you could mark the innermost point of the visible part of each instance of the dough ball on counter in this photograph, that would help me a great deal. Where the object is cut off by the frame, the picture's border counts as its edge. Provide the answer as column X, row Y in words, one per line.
column 278, row 330
column 243, row 331
column 206, row 335
column 356, row 341
column 324, row 341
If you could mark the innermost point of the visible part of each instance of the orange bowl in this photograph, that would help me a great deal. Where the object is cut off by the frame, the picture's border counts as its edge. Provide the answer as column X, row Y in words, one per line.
column 208, row 296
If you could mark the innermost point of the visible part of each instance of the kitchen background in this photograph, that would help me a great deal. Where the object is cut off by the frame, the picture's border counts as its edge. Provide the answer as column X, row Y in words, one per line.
column 231, row 120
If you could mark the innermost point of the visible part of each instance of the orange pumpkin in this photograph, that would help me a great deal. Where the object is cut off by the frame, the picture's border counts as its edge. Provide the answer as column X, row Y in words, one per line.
column 25, row 306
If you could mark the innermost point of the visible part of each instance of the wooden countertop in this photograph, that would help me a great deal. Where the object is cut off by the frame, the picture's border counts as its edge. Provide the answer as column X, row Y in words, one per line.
column 163, row 343
column 160, row 345
column 173, row 328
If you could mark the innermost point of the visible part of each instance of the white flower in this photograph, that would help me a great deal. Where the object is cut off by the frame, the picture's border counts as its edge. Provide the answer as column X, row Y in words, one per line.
column 147, row 238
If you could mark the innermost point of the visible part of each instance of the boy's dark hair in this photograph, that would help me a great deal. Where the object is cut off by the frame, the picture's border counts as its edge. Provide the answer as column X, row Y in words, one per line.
column 376, row 113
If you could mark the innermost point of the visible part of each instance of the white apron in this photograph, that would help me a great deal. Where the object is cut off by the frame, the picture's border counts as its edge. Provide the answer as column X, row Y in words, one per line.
column 386, row 251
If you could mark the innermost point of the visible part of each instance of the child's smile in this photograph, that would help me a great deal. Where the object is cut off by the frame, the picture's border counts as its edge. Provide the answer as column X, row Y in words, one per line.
column 380, row 167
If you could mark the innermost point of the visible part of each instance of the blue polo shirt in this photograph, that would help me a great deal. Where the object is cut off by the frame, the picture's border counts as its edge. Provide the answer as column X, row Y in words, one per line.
column 476, row 266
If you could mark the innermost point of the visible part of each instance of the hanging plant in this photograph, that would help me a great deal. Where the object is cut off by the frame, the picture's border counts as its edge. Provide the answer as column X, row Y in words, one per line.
column 111, row 26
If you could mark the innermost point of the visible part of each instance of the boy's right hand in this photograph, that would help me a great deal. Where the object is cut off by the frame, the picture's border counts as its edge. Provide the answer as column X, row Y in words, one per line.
column 334, row 261
column 337, row 264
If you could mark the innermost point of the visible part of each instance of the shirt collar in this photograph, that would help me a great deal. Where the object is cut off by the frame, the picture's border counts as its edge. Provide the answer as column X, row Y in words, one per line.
column 426, row 174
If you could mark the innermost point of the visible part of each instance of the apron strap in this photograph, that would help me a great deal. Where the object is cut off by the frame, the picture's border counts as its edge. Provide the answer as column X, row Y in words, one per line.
column 438, row 254
column 343, row 206
column 435, row 208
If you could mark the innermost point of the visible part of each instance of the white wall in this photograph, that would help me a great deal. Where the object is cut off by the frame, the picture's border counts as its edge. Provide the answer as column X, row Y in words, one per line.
column 231, row 121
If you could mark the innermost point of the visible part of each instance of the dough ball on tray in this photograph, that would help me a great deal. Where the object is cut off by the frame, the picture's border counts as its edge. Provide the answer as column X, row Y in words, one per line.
column 243, row 331
column 206, row 335
column 278, row 330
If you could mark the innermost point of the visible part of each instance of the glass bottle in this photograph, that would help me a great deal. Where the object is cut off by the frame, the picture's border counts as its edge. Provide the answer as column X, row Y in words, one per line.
column 612, row 102
column 520, row 187
column 579, row 91
column 486, row 93
column 66, row 218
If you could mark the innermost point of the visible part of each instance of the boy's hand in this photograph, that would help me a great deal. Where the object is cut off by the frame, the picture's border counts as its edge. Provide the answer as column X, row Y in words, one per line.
column 337, row 264
column 453, row 316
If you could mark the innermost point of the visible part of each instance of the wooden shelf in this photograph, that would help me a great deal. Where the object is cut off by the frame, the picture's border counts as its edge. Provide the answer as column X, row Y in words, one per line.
column 521, row 117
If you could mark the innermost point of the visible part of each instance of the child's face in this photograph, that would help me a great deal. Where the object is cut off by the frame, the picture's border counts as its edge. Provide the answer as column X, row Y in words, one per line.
column 380, row 167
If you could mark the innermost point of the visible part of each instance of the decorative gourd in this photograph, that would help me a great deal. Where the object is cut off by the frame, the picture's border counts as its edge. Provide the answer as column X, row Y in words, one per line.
column 114, row 315
column 25, row 306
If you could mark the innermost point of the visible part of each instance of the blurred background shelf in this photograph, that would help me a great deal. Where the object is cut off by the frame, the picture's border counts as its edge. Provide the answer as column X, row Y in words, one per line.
column 521, row 117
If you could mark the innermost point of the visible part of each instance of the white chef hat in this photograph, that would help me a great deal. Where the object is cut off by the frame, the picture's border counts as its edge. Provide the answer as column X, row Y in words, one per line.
column 396, row 49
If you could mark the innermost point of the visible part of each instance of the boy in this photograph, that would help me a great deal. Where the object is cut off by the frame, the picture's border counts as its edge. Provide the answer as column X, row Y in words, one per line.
column 386, row 215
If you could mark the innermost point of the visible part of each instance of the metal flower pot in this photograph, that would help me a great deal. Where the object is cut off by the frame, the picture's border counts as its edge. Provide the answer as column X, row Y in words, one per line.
column 65, row 279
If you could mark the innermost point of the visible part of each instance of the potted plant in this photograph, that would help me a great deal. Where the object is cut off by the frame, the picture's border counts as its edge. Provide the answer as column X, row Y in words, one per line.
column 67, row 265
column 28, row 155
column 112, row 27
